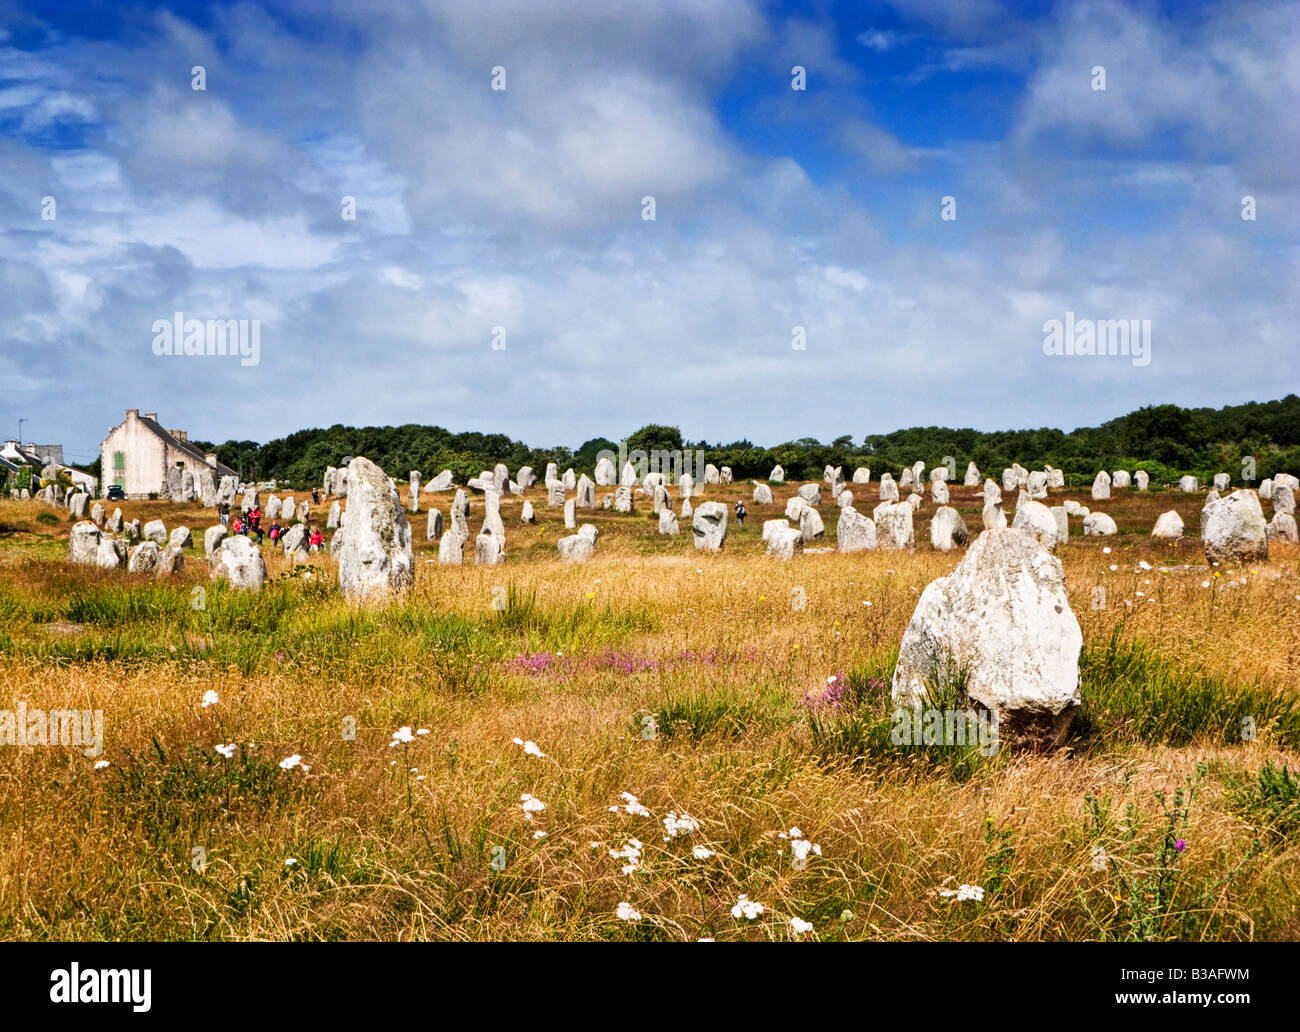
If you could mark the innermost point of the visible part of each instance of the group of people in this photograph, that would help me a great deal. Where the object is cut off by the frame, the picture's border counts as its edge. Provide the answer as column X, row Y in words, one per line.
column 249, row 523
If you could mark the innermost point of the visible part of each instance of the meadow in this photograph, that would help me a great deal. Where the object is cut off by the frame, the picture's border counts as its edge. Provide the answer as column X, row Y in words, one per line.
column 640, row 747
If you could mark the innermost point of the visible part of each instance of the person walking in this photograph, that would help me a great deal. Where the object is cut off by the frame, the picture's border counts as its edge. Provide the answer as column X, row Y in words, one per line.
column 316, row 540
column 223, row 510
column 741, row 511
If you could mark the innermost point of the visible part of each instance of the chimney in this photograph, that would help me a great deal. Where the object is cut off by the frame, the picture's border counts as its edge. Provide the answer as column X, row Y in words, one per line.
column 151, row 415
column 178, row 434
column 133, row 413
column 210, row 458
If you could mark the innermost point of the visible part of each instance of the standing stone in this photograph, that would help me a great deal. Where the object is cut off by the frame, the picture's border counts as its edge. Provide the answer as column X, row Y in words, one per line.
column 855, row 532
column 667, row 522
column 240, row 562
column 1282, row 527
column 304, row 511
column 724, row 475
column 188, row 492
column 628, row 478
column 623, row 498
column 227, row 490
column 1283, row 498
column 1002, row 617
column 525, row 478
column 777, row 476
column 811, row 493
column 1036, row 520
column 526, row 513
column 451, row 548
column 1055, row 477
column 144, row 557
column 1062, row 519
column 181, row 538
column 1120, row 478
column 948, row 530
column 111, row 553
column 1188, row 484
column 784, row 542
column 115, row 522
column 1234, row 529
column 83, row 545
column 794, row 508
column 272, row 508
column 492, row 522
column 444, row 481
column 606, row 475
column 1168, row 525
column 939, row 473
column 79, row 505
column 336, row 511
column 972, row 476
column 294, row 543
column 709, row 525
column 251, row 499
column 762, row 494
column 1142, row 478
column 1222, row 481
column 711, row 474
column 285, row 508
column 1008, row 479
column 569, row 480
column 992, row 494
column 571, row 514
column 845, row 499
column 586, row 492
column 576, row 548
column 862, row 475
column 888, row 489
column 132, row 530
column 555, row 493
column 171, row 560
column 156, row 532
column 487, row 550
column 894, row 525
column 918, row 471
column 939, row 492
column 915, row 500
column 1037, row 485
column 811, row 525
column 97, row 515
column 907, row 479
column 687, row 511
column 207, row 487
column 375, row 558
column 501, row 474
column 686, row 485
column 171, row 487
column 413, row 490
column 433, row 525
column 994, row 517
column 1098, row 524
column 1101, row 487
column 1266, row 489
column 212, row 538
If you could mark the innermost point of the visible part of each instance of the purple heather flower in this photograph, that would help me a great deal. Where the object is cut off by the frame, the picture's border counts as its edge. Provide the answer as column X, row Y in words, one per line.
column 1180, row 845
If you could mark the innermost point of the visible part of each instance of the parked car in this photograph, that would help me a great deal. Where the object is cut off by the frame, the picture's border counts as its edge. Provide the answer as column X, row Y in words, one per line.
column 115, row 494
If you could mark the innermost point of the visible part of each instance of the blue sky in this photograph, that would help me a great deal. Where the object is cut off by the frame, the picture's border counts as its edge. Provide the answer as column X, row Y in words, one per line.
column 775, row 208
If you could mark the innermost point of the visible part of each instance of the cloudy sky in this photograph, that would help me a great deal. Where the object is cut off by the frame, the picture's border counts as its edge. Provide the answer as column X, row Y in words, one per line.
column 523, row 208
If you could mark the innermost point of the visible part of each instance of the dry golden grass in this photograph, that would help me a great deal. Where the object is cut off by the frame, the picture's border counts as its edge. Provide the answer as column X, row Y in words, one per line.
column 398, row 842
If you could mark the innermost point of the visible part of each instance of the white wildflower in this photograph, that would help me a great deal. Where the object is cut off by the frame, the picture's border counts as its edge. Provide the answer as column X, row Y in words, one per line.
column 746, row 908
column 626, row 913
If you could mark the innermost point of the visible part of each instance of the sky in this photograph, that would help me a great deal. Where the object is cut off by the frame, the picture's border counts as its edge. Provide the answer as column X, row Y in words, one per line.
column 884, row 247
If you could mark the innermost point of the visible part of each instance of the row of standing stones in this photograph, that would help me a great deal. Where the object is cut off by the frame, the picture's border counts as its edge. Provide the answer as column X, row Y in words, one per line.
column 1002, row 614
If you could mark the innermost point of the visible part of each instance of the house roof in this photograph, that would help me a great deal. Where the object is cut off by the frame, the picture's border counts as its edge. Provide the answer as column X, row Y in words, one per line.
column 153, row 426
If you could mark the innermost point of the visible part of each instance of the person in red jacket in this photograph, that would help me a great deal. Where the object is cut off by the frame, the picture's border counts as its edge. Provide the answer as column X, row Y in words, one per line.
column 317, row 539
column 237, row 525
column 275, row 532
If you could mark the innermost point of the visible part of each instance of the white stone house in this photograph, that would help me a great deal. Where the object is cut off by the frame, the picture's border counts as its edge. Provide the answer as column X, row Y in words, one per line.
column 138, row 453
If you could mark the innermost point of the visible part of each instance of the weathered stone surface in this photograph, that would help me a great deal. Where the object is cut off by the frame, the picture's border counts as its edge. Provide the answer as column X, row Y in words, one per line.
column 171, row 561
column 1283, row 498
column 1282, row 527
column 712, row 475
column 794, row 508
column 888, row 489
column 1101, row 487
column 252, row 500
column 145, row 556
column 811, row 525
column 973, row 478
column 918, row 471
column 1120, row 478
column 132, row 530
column 623, row 498
column 433, row 525
column 488, row 551
column 569, row 480
column 1222, row 481
column 1234, row 529
column 784, row 542
column 724, row 475
column 1055, row 477
column 227, row 490
column 1036, row 520
column 845, row 499
column 111, row 554
column 606, row 474
column 915, row 501
column 939, row 491
column 628, row 477
column 1266, row 489
column 1287, row 480
column 894, row 525
column 862, row 475
column 181, row 538
column 83, row 544
column 686, row 485
column 555, row 493
column 526, row 514
column 586, row 492
column 661, row 499
column 304, row 511
column 571, row 514
column 709, row 526
column 156, row 532
column 413, row 491
column 855, row 532
column 576, row 548
column 1188, row 484
column 811, row 493
column 375, row 558
column 667, row 522
column 492, row 522
column 334, row 517
column 444, row 481
column 240, row 562
column 906, row 479
column 207, row 487
column 79, row 505
column 1098, row 524
column 948, row 530
column 114, row 522
column 1062, row 519
column 771, row 525
column 1073, row 508
column 1168, row 525
column 589, row 530
column 777, row 476
column 293, row 543
column 687, row 511
column 1036, row 485
column 451, row 549
column 171, row 487
column 762, row 494
column 1142, row 479
column 992, row 494
column 1004, row 618
column 1008, row 479
column 501, row 474
column 994, row 518
column 272, row 511
column 212, row 538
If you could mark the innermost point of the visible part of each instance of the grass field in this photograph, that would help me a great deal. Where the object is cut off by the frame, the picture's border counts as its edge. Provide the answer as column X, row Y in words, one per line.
column 684, row 679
